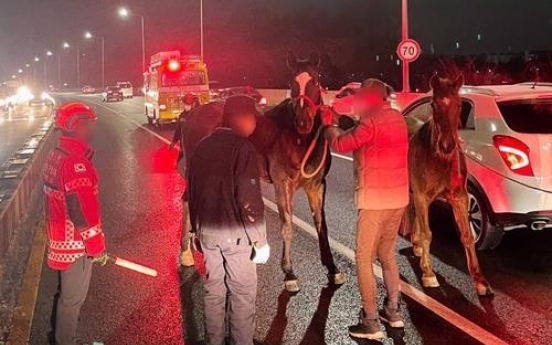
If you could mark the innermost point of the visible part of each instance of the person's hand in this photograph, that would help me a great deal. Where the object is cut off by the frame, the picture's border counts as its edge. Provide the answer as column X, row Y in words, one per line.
column 261, row 254
column 101, row 259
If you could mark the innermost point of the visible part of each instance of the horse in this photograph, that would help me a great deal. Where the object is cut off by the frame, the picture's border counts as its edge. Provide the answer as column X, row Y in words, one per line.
column 443, row 175
column 292, row 154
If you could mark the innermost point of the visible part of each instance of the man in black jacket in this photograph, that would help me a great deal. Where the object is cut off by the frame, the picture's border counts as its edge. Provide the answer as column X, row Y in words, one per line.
column 227, row 215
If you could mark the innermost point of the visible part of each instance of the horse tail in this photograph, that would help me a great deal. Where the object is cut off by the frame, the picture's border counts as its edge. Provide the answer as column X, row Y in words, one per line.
column 308, row 154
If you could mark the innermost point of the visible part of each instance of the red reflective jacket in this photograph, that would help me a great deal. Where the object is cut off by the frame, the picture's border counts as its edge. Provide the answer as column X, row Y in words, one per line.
column 71, row 201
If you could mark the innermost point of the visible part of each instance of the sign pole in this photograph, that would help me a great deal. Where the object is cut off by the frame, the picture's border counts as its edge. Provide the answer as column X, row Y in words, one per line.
column 405, row 64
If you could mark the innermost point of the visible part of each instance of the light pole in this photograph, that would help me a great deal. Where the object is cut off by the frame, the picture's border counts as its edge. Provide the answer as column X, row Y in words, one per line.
column 404, row 34
column 48, row 54
column 36, row 59
column 88, row 35
column 125, row 13
column 201, row 26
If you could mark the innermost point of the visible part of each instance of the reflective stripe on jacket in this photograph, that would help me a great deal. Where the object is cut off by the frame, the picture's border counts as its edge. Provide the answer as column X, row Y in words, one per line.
column 71, row 203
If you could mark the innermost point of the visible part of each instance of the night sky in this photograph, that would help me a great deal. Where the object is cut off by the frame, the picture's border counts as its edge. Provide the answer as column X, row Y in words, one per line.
column 246, row 40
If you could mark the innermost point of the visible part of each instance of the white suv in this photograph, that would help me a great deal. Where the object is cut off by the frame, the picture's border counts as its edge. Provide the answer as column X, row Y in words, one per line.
column 506, row 136
column 126, row 89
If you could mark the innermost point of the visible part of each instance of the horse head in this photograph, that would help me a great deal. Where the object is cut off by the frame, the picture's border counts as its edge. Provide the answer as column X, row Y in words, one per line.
column 446, row 106
column 306, row 95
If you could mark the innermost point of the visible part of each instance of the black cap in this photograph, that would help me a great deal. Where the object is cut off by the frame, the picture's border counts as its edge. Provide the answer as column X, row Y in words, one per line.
column 373, row 85
column 236, row 106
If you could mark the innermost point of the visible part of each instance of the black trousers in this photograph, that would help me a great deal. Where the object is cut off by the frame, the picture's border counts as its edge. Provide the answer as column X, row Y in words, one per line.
column 230, row 272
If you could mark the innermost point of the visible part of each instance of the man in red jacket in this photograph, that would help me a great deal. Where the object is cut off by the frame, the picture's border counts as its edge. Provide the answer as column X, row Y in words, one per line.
column 380, row 149
column 75, row 237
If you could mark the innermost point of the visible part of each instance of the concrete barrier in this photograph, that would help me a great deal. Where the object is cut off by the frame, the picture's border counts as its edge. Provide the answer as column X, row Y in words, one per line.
column 275, row 96
column 19, row 178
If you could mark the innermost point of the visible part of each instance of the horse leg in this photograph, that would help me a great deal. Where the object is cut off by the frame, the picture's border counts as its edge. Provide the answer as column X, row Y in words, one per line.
column 415, row 235
column 421, row 204
column 460, row 209
column 316, row 196
column 284, row 193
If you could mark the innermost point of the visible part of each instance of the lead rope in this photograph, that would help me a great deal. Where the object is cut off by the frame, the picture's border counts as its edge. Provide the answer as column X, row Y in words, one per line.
column 306, row 158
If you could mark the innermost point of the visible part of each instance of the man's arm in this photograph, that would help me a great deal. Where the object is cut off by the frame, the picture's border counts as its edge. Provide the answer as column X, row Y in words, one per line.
column 352, row 140
column 249, row 200
column 81, row 190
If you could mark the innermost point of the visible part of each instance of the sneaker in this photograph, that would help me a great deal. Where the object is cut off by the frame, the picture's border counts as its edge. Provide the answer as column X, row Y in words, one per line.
column 366, row 329
column 392, row 317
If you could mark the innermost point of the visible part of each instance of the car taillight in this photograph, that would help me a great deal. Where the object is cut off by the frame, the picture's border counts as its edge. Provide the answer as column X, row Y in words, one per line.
column 515, row 154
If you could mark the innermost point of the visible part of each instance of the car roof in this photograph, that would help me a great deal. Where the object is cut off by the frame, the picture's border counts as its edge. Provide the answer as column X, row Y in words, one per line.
column 510, row 92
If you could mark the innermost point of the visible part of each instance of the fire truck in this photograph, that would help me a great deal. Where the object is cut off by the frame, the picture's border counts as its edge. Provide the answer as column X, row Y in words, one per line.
column 170, row 80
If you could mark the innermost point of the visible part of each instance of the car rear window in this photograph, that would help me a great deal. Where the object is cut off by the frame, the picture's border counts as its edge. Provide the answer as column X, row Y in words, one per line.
column 125, row 86
column 528, row 116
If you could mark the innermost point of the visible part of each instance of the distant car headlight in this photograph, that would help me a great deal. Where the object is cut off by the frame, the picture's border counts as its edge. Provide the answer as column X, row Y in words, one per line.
column 44, row 96
column 162, row 107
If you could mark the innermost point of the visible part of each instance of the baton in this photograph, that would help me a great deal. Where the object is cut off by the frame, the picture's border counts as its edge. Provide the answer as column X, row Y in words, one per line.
column 132, row 266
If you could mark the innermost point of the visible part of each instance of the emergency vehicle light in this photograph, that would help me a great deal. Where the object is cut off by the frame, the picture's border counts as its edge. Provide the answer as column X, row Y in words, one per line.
column 174, row 65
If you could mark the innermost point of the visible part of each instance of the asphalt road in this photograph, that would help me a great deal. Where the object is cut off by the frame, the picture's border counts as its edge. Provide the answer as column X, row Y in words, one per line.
column 17, row 126
column 140, row 193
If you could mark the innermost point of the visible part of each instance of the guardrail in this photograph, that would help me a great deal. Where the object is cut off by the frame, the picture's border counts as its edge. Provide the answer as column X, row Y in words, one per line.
column 19, row 178
column 275, row 96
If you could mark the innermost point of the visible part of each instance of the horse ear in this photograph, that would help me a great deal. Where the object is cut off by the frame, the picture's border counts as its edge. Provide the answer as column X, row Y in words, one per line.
column 315, row 58
column 291, row 60
column 459, row 82
column 434, row 82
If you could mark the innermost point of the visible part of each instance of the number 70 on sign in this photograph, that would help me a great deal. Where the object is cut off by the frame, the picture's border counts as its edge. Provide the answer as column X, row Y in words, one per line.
column 409, row 50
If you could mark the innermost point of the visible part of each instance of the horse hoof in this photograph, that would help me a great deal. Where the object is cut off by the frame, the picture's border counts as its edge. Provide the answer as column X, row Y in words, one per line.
column 484, row 290
column 187, row 258
column 337, row 279
column 292, row 286
column 418, row 251
column 430, row 281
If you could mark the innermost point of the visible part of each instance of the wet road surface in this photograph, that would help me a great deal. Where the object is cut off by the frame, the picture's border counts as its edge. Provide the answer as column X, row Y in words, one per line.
column 140, row 196
column 16, row 126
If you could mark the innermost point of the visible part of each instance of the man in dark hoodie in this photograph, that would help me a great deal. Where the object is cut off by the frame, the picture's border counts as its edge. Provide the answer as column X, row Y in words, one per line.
column 227, row 216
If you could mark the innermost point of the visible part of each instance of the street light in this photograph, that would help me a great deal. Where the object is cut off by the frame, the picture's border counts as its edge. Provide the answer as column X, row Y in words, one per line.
column 49, row 53
column 37, row 59
column 20, row 71
column 88, row 35
column 125, row 13
column 66, row 45
column 201, row 27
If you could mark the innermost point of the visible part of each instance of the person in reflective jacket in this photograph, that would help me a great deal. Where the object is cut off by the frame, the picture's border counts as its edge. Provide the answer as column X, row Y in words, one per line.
column 73, row 223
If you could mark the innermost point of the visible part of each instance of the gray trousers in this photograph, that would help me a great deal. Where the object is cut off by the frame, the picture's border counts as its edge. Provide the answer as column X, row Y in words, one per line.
column 229, row 272
column 74, row 283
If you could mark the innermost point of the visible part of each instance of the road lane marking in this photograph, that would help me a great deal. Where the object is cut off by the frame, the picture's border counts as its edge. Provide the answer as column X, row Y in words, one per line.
column 431, row 304
column 28, row 294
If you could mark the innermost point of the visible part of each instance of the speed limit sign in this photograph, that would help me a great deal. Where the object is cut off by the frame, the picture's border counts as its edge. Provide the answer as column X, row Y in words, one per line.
column 409, row 50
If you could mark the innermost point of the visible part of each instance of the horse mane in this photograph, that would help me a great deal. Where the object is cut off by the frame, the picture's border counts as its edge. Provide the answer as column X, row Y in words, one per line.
column 283, row 115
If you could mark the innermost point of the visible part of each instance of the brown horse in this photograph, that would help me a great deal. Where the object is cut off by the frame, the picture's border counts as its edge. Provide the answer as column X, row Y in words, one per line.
column 442, row 175
column 292, row 155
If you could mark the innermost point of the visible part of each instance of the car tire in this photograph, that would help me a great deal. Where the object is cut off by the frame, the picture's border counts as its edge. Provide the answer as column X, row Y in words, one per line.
column 487, row 235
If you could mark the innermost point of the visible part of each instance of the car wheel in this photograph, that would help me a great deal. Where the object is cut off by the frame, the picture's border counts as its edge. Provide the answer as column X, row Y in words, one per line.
column 486, row 235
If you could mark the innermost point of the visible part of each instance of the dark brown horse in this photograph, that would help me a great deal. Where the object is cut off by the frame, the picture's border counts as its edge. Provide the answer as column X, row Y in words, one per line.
column 442, row 175
column 292, row 155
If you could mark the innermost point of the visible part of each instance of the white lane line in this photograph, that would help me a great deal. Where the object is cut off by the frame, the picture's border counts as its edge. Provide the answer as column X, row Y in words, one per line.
column 430, row 303
column 421, row 298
